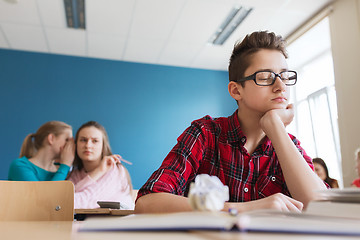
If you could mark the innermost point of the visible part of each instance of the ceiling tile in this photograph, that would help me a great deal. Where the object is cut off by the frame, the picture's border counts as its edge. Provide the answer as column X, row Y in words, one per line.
column 212, row 57
column 109, row 16
column 105, row 46
column 3, row 40
column 25, row 37
column 140, row 50
column 52, row 13
column 179, row 53
column 20, row 12
column 285, row 28
column 155, row 18
column 306, row 6
column 199, row 20
column 67, row 41
column 265, row 4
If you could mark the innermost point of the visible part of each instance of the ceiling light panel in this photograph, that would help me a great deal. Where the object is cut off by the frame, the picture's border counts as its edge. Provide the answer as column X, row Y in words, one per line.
column 228, row 26
column 75, row 13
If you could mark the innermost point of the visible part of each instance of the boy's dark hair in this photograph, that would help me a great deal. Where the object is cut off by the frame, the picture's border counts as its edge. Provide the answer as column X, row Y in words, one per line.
column 252, row 43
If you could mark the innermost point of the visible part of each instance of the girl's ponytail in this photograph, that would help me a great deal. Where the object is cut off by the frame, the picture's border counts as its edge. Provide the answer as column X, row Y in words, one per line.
column 28, row 147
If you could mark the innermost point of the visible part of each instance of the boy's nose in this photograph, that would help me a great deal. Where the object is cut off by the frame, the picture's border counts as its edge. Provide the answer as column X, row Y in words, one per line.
column 279, row 83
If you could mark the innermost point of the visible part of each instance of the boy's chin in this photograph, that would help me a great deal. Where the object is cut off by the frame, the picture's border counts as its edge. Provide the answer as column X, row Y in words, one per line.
column 279, row 107
column 283, row 105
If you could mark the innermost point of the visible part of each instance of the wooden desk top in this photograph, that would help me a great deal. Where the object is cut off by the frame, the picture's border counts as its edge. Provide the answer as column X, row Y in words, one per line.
column 69, row 231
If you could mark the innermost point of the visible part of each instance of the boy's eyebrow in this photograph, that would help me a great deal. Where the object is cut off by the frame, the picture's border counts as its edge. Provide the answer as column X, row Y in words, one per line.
column 271, row 70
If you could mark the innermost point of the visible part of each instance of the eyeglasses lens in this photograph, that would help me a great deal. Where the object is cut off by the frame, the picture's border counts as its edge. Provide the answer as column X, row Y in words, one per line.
column 266, row 78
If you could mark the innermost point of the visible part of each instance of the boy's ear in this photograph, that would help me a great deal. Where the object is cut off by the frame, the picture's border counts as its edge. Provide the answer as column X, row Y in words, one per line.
column 233, row 88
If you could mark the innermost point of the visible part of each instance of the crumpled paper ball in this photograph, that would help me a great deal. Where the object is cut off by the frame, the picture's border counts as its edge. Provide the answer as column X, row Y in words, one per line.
column 208, row 193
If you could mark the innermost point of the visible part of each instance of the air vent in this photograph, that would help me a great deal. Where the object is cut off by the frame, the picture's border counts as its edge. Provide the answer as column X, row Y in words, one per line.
column 232, row 21
column 75, row 13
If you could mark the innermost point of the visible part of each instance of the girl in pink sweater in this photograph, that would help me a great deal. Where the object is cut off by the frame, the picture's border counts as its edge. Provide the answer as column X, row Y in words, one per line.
column 98, row 175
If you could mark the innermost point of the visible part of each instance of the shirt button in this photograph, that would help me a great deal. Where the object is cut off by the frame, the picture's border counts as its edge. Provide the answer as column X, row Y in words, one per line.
column 273, row 179
column 246, row 189
column 243, row 140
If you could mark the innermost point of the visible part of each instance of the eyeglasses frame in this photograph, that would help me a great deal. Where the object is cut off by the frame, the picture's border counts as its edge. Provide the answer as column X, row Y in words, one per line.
column 252, row 77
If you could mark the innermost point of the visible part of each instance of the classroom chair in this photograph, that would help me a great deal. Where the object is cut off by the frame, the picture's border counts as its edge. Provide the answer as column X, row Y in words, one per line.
column 36, row 201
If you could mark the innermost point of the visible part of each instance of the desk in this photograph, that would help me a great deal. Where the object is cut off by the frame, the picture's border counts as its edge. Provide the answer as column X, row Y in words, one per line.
column 68, row 231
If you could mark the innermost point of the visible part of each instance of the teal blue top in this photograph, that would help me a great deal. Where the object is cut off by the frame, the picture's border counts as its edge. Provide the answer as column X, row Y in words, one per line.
column 22, row 169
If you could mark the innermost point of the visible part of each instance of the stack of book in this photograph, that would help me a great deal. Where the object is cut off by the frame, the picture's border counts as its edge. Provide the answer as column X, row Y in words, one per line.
column 343, row 203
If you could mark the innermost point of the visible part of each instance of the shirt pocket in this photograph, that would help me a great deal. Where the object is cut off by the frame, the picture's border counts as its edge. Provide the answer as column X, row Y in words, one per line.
column 269, row 185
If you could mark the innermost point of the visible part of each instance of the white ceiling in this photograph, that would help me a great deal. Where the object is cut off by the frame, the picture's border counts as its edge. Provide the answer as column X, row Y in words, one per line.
column 167, row 32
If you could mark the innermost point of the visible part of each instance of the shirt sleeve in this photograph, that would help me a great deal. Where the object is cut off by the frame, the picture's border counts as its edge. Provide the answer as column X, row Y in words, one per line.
column 20, row 171
column 181, row 165
column 61, row 173
column 307, row 158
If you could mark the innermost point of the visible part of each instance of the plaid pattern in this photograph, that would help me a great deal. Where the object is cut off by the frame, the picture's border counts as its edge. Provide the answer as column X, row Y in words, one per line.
column 216, row 147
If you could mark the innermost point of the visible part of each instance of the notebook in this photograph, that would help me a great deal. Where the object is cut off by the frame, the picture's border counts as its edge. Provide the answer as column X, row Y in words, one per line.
column 255, row 221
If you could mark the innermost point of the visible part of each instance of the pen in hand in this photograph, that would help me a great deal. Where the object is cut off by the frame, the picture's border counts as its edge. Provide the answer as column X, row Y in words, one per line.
column 125, row 161
column 121, row 159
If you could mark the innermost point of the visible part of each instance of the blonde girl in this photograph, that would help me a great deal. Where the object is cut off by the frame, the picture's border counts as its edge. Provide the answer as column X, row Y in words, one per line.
column 46, row 155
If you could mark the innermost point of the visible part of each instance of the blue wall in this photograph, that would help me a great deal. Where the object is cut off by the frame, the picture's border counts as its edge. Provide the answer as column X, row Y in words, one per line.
column 143, row 107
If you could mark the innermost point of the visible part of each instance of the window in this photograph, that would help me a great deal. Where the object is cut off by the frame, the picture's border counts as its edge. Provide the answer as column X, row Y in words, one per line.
column 314, row 97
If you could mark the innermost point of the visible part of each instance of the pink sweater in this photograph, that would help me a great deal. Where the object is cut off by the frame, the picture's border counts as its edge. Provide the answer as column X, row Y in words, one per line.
column 112, row 186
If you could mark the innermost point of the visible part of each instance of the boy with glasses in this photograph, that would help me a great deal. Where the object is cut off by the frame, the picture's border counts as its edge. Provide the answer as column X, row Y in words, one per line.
column 250, row 151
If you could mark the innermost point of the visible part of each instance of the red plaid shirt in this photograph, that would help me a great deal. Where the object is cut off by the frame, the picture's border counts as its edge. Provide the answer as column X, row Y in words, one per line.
column 216, row 147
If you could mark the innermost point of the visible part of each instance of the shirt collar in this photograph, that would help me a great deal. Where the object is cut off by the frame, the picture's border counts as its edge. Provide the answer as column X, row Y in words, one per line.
column 236, row 135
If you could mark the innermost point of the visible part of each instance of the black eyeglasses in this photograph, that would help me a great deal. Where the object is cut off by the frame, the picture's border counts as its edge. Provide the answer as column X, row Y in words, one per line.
column 267, row 78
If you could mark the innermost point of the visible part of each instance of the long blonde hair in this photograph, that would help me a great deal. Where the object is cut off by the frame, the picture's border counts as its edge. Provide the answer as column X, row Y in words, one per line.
column 34, row 141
